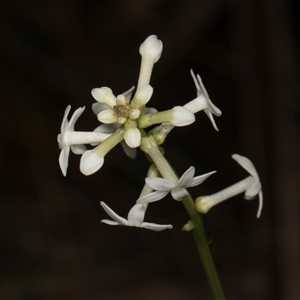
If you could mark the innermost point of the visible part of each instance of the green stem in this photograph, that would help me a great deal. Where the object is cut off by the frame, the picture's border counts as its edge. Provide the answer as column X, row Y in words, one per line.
column 149, row 146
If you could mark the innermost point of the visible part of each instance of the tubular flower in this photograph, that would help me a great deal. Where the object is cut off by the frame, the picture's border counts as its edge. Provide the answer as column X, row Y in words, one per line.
column 203, row 102
column 251, row 186
column 178, row 190
column 68, row 138
column 135, row 218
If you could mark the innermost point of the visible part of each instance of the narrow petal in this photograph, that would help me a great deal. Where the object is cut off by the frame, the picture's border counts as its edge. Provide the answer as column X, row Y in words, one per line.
column 110, row 222
column 64, row 159
column 77, row 113
column 260, row 204
column 195, row 80
column 212, row 120
column 186, row 177
column 245, row 163
column 152, row 197
column 136, row 215
column 201, row 86
column 91, row 162
column 128, row 93
column 178, row 193
column 113, row 215
column 156, row 227
column 159, row 184
column 132, row 137
column 64, row 124
column 199, row 179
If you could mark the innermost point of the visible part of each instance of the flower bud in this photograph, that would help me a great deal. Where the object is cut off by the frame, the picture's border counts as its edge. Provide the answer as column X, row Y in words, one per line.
column 151, row 47
column 104, row 95
column 107, row 116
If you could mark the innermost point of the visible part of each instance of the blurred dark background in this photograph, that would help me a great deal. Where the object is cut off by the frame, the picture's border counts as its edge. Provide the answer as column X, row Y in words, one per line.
column 53, row 53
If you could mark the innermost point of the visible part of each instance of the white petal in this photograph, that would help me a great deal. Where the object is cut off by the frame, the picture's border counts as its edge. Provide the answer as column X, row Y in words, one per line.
column 128, row 93
column 186, row 177
column 212, row 120
column 195, row 80
column 113, row 215
column 77, row 113
column 245, row 163
column 260, row 204
column 156, row 227
column 64, row 124
column 136, row 215
column 182, row 116
column 78, row 149
column 199, row 179
column 130, row 152
column 253, row 188
column 64, row 159
column 159, row 184
column 151, row 47
column 178, row 193
column 132, row 137
column 98, row 107
column 60, row 140
column 107, row 116
column 110, row 222
column 152, row 197
column 91, row 162
column 104, row 95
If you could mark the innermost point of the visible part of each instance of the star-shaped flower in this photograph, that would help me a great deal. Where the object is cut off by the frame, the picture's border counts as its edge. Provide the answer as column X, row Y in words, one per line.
column 135, row 218
column 75, row 140
column 65, row 129
column 203, row 102
column 178, row 190
column 251, row 186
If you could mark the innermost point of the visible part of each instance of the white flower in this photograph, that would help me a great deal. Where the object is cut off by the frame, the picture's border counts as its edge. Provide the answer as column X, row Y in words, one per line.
column 251, row 186
column 178, row 189
column 68, row 138
column 150, row 51
column 203, row 102
column 65, row 128
column 135, row 218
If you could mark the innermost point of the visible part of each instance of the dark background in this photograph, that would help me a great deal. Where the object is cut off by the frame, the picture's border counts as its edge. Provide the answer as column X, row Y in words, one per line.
column 53, row 53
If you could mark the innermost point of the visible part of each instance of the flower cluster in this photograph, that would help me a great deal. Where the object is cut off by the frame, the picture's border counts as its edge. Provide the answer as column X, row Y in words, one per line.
column 124, row 120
